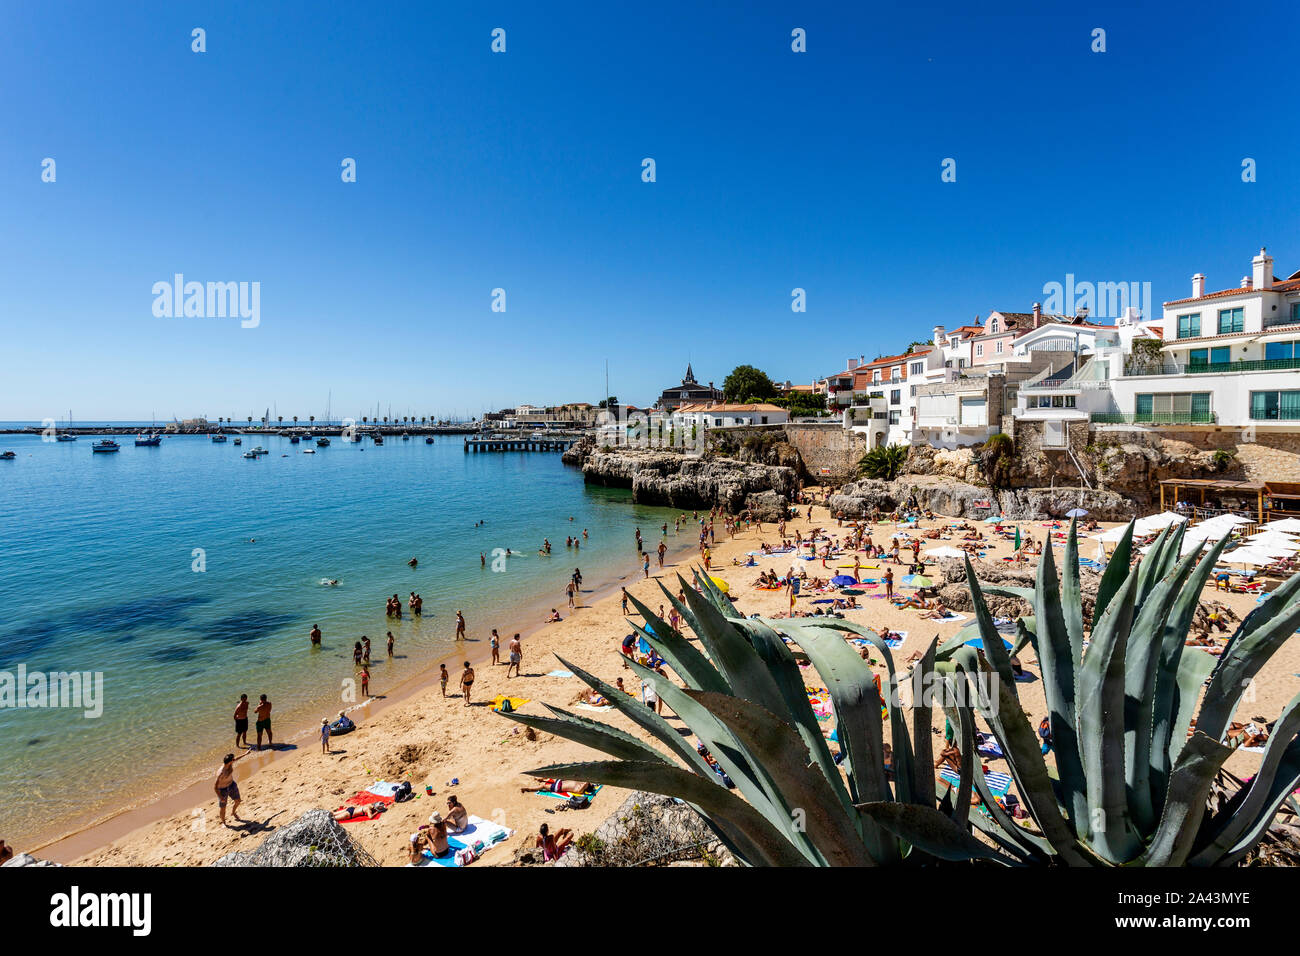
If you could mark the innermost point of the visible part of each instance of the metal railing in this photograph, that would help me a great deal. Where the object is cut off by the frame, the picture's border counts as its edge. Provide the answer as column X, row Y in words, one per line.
column 1157, row 418
column 1212, row 368
column 1067, row 383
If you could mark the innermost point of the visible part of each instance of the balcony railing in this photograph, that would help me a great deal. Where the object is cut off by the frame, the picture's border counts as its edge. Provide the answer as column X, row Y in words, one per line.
column 1212, row 368
column 1157, row 418
column 1258, row 365
column 1065, row 383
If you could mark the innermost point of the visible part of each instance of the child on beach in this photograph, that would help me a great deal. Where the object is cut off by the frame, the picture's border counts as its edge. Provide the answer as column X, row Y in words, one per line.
column 444, row 677
column 391, row 641
column 365, row 680
column 324, row 735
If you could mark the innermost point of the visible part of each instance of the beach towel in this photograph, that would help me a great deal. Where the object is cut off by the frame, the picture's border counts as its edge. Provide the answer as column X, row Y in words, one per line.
column 998, row 783
column 515, row 702
column 594, row 709
column 988, row 746
column 952, row 618
column 559, row 673
column 480, row 836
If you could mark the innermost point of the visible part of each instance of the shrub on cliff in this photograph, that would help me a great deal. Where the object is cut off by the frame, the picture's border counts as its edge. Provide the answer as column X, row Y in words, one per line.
column 995, row 458
column 884, row 462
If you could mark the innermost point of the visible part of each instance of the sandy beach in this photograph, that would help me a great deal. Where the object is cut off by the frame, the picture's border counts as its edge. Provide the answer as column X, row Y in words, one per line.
column 420, row 736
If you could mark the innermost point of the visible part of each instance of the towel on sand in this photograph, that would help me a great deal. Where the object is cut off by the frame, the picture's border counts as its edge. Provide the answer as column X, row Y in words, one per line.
column 480, row 834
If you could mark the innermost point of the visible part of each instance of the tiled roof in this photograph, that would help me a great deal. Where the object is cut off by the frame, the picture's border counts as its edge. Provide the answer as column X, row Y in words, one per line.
column 1288, row 285
column 729, row 407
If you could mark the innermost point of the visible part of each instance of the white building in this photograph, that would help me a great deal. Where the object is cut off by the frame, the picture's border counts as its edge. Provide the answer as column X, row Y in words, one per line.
column 728, row 415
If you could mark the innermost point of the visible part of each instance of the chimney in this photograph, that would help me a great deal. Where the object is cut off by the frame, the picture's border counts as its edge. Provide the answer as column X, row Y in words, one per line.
column 1038, row 314
column 853, row 363
column 940, row 333
column 1245, row 282
column 1198, row 285
column 1262, row 266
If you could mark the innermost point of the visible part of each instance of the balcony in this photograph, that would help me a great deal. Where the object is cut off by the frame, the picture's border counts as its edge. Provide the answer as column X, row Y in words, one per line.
column 1050, row 385
column 1258, row 365
column 1157, row 418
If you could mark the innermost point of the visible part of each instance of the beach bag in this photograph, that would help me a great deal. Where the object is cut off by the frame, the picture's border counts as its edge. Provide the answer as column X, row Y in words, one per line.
column 578, row 802
column 403, row 792
column 506, row 707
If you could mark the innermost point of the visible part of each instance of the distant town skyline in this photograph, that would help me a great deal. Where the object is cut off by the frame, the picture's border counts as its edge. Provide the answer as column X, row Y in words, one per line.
column 379, row 209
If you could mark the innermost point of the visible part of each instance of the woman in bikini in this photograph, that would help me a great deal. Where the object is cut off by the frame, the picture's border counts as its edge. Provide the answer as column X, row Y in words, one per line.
column 553, row 845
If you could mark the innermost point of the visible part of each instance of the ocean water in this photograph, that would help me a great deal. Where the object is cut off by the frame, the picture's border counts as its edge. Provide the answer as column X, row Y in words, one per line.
column 98, row 558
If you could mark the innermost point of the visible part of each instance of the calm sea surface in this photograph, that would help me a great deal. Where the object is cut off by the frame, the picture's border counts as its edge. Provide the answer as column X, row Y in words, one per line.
column 97, row 573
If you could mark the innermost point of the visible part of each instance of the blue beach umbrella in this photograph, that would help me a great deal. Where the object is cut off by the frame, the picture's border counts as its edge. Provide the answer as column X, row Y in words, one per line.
column 1076, row 513
column 844, row 579
column 978, row 642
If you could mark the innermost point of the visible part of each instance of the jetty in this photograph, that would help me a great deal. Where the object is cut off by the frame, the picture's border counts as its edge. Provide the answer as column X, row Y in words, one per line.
column 549, row 443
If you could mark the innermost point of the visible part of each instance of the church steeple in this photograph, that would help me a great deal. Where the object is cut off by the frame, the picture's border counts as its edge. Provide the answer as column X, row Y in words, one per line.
column 690, row 376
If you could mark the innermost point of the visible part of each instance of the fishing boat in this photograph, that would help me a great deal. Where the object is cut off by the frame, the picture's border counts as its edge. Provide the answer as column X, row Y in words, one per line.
column 239, row 441
column 309, row 451
column 322, row 442
column 105, row 445
column 405, row 437
column 294, row 439
column 258, row 451
column 250, row 454
column 379, row 439
column 218, row 438
column 148, row 441
column 65, row 437
column 8, row 456
column 428, row 440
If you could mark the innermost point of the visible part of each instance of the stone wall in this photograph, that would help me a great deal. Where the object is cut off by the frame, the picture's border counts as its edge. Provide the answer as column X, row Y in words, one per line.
column 827, row 446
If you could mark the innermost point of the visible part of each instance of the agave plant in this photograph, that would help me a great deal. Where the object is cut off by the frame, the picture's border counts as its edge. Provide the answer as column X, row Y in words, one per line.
column 1132, row 777
column 1129, row 786
column 745, row 698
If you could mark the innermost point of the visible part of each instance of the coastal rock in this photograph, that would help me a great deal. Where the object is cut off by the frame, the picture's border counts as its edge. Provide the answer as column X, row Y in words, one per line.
column 954, row 591
column 577, row 453
column 314, row 839
column 959, row 499
column 683, row 481
column 647, row 828
column 26, row 859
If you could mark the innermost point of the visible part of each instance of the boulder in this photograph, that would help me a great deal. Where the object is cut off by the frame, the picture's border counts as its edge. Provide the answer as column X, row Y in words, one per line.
column 678, row 480
column 958, row 499
column 314, row 839
column 26, row 859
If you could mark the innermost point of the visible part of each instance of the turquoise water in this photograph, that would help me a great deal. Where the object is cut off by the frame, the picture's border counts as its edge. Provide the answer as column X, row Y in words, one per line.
column 97, row 574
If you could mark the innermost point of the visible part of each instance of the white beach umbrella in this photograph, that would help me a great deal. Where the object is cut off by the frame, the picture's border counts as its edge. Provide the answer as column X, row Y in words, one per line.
column 946, row 552
column 1251, row 556
column 1228, row 520
column 1158, row 522
column 1275, row 538
column 1114, row 535
column 1286, row 524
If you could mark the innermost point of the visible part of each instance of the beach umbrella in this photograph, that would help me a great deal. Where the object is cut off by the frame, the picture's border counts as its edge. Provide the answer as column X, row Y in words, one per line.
column 917, row 581
column 994, row 519
column 979, row 643
column 1250, row 556
column 1114, row 535
column 843, row 579
column 1286, row 524
column 1276, row 538
column 946, row 552
column 1076, row 513
column 1155, row 523
column 1017, row 537
column 720, row 584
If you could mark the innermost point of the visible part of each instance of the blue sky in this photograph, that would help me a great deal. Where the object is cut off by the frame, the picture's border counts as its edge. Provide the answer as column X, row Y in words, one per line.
column 522, row 171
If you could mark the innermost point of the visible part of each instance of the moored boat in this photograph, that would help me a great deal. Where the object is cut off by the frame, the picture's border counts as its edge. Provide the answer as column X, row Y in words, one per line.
column 218, row 438
column 322, row 442
column 8, row 456
column 148, row 441
column 105, row 445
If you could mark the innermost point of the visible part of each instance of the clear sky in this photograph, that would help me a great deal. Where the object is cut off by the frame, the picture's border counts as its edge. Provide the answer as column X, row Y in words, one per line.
column 523, row 171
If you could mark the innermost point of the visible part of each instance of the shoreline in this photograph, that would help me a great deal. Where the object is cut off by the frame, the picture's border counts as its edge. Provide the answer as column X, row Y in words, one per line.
column 191, row 790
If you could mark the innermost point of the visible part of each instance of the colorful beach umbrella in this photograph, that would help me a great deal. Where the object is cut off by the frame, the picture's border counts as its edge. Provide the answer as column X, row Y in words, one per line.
column 917, row 581
column 720, row 584
column 978, row 642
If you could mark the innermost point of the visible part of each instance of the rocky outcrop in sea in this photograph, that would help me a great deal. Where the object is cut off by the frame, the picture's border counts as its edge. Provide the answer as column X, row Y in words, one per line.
column 676, row 480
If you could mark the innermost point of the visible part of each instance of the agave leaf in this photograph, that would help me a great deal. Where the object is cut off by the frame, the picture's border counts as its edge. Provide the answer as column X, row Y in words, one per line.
column 931, row 831
column 1285, row 780
column 715, row 595
column 1117, row 570
column 684, row 658
column 993, row 650
column 1057, row 658
column 780, row 662
column 1024, row 758
column 832, row 831
column 922, row 722
column 1235, row 820
column 1177, row 692
column 1101, row 729
column 857, row 713
column 594, row 734
column 1071, row 591
column 1260, row 635
column 964, row 718
column 1009, row 842
column 1141, row 666
column 643, row 717
column 1189, row 788
column 1150, row 567
column 733, row 655
column 764, row 840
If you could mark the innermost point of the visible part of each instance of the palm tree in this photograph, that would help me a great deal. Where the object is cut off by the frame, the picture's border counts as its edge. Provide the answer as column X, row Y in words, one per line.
column 311, row 419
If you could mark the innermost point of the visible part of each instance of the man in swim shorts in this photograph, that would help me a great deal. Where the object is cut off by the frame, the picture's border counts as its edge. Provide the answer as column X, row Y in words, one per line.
column 241, row 721
column 264, row 723
column 226, row 788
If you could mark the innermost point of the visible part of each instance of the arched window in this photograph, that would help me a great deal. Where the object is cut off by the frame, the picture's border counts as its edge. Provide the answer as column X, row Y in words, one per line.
column 994, row 326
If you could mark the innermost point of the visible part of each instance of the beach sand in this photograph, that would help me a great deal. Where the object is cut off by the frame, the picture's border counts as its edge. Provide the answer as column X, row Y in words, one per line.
column 427, row 739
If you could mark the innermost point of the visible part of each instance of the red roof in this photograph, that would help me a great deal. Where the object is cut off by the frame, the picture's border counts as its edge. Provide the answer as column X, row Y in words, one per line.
column 1289, row 285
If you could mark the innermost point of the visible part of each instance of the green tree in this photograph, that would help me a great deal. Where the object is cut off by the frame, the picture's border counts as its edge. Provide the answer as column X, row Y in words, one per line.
column 884, row 462
column 747, row 384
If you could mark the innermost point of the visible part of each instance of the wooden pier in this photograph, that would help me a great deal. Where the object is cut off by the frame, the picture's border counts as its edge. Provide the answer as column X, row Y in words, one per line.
column 517, row 444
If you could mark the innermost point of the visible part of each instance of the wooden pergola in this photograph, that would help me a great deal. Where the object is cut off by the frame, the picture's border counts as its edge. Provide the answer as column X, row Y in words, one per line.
column 1242, row 489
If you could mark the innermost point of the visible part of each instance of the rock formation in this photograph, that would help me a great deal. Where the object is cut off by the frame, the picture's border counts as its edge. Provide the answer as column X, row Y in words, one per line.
column 958, row 499
column 677, row 480
column 314, row 839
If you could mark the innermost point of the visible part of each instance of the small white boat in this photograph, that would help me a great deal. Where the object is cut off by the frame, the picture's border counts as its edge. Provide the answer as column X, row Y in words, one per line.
column 309, row 451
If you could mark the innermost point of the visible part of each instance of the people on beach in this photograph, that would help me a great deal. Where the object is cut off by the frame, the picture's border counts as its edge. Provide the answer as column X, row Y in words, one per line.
column 494, row 642
column 226, row 788
column 460, row 626
column 6, row 853
column 457, row 815
column 365, row 680
column 557, row 785
column 466, row 682
column 241, row 721
column 553, row 845
column 315, row 635
column 324, row 735
column 443, row 677
column 264, row 722
column 391, row 641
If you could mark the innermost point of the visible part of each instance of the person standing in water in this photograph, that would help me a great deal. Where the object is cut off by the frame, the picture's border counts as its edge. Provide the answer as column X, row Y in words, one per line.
column 315, row 635
column 391, row 641
column 241, row 721
column 460, row 626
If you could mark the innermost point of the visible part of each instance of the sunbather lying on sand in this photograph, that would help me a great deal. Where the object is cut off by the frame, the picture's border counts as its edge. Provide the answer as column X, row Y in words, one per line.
column 370, row 811
column 939, row 612
column 559, row 786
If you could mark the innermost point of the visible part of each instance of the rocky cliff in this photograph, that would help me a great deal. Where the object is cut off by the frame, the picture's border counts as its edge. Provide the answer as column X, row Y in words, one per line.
column 682, row 481
column 947, row 496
